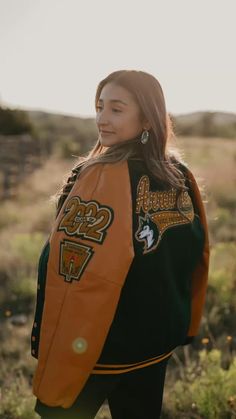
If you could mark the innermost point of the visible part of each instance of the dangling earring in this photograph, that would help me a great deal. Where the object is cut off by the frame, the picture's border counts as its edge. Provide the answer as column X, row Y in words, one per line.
column 144, row 136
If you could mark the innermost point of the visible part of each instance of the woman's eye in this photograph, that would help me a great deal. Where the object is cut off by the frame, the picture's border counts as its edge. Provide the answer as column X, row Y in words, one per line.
column 99, row 108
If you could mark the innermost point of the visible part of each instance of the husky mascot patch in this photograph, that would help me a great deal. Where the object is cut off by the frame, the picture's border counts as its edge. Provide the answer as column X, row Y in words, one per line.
column 162, row 210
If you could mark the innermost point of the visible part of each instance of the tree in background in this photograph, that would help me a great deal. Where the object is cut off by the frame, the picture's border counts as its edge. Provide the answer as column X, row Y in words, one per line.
column 14, row 122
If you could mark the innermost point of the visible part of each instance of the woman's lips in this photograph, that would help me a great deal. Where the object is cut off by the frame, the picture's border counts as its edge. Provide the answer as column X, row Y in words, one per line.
column 106, row 133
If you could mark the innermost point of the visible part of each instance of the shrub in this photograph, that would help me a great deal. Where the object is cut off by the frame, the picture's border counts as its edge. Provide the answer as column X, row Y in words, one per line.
column 18, row 275
column 15, row 400
column 14, row 121
column 207, row 390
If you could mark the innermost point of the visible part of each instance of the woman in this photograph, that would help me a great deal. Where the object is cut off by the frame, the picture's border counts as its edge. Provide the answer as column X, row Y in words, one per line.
column 122, row 278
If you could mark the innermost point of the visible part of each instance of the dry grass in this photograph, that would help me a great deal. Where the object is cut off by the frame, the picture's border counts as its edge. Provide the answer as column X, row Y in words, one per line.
column 214, row 161
column 28, row 220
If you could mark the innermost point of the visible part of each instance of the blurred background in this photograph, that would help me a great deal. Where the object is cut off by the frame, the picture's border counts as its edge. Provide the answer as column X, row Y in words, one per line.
column 53, row 55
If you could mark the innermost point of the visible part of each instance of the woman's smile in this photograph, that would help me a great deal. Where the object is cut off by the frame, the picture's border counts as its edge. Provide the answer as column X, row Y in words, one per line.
column 106, row 133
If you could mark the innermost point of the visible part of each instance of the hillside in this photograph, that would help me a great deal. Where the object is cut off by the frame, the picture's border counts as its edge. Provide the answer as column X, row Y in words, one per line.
column 29, row 138
column 206, row 124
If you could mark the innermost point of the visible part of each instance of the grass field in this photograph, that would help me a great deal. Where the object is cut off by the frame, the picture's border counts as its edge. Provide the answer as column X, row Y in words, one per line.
column 24, row 225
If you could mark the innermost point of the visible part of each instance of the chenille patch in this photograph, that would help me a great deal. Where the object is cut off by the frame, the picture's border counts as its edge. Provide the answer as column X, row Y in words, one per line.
column 74, row 257
column 86, row 220
column 161, row 211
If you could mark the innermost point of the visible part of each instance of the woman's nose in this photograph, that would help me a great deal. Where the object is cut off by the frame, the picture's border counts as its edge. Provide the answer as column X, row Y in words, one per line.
column 102, row 118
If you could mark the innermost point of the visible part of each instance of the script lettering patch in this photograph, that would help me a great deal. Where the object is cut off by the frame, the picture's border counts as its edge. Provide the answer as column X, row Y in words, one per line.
column 161, row 211
column 86, row 220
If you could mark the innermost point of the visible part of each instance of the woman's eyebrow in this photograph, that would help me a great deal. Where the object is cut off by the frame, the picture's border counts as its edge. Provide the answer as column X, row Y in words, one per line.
column 114, row 101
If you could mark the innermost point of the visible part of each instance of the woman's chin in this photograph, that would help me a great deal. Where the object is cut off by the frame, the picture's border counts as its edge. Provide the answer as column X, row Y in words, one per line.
column 107, row 142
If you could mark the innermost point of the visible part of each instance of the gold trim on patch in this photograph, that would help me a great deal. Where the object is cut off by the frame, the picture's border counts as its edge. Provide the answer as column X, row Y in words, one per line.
column 148, row 200
column 74, row 257
column 87, row 220
column 153, row 225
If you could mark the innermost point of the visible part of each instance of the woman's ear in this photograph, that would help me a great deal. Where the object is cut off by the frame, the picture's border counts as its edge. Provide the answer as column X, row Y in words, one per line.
column 147, row 125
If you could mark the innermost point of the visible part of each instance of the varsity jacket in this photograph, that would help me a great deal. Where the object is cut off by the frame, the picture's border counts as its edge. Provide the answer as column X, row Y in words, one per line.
column 122, row 278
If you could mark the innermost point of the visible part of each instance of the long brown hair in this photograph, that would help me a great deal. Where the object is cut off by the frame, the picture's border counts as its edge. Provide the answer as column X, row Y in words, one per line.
column 160, row 156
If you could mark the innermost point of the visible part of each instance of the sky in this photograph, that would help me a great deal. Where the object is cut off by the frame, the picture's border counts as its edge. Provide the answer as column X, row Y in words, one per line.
column 54, row 52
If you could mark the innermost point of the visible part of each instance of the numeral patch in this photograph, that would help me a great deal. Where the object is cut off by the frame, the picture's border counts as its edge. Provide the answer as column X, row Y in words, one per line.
column 86, row 220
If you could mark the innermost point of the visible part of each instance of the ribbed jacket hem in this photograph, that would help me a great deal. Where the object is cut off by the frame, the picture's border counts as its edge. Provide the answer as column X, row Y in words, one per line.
column 122, row 368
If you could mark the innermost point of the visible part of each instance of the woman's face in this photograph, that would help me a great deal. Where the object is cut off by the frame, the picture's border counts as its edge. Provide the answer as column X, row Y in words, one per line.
column 118, row 115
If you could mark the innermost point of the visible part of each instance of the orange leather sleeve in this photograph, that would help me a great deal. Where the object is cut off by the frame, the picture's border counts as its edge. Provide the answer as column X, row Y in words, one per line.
column 200, row 274
column 91, row 250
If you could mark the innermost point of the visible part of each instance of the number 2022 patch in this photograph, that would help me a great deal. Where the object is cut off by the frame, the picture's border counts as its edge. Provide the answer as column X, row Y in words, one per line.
column 86, row 220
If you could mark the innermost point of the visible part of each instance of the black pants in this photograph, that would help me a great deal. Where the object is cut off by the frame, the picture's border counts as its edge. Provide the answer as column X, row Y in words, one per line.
column 136, row 394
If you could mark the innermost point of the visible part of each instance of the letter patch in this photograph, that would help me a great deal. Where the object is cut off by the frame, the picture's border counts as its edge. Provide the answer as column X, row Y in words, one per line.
column 153, row 224
column 74, row 257
column 86, row 220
